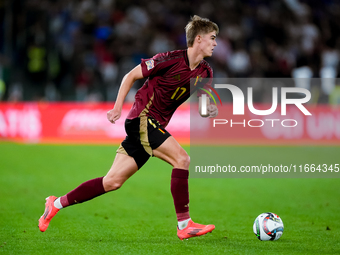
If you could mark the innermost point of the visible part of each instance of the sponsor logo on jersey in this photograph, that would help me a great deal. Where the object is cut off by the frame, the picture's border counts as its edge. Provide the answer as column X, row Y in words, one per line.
column 177, row 77
column 150, row 64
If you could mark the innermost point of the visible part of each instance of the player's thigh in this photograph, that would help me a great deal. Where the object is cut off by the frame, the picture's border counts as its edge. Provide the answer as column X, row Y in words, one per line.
column 173, row 153
column 123, row 168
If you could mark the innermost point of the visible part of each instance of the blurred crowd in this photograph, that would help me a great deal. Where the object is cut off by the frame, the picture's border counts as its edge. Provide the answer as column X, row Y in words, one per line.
column 59, row 50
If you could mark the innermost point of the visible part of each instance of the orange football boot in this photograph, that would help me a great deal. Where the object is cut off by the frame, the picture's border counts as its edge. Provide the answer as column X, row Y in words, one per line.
column 50, row 212
column 193, row 229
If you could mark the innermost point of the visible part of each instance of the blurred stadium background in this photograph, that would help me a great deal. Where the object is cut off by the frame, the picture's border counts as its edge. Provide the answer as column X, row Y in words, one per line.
column 79, row 50
column 61, row 62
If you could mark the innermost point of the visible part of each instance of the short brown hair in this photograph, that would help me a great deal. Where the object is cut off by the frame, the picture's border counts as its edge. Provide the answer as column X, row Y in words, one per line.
column 198, row 25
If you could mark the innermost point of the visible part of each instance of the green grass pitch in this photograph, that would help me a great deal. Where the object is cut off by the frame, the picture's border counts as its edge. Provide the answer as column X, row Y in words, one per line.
column 140, row 218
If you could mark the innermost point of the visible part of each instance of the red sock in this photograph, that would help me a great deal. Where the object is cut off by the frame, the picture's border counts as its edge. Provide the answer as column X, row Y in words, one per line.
column 180, row 192
column 84, row 192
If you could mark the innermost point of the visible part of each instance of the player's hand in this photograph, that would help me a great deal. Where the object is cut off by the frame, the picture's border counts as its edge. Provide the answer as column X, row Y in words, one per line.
column 212, row 110
column 113, row 115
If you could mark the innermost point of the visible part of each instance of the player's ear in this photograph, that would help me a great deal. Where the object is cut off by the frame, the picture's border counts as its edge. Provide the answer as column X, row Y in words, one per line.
column 198, row 38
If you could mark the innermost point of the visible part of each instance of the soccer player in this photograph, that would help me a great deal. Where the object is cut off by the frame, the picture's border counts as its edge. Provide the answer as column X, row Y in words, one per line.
column 167, row 87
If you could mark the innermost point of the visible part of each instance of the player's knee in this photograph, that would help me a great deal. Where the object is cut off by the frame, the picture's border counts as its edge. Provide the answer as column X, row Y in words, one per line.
column 183, row 160
column 113, row 186
column 110, row 185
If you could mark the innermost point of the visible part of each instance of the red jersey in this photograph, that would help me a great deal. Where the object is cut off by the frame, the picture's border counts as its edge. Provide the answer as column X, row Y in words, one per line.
column 167, row 86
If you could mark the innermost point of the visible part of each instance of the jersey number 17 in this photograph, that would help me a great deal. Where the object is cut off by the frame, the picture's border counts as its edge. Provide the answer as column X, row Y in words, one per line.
column 179, row 92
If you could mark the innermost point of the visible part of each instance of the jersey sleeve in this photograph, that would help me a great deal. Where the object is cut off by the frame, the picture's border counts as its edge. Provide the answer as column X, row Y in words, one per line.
column 153, row 66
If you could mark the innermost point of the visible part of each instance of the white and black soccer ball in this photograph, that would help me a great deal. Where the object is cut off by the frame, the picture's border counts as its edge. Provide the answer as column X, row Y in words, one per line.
column 268, row 227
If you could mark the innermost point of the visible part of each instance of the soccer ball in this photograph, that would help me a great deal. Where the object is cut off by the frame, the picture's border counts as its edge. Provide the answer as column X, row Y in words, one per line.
column 268, row 227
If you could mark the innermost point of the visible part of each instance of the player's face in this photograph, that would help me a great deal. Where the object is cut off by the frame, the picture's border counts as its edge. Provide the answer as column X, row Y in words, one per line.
column 208, row 43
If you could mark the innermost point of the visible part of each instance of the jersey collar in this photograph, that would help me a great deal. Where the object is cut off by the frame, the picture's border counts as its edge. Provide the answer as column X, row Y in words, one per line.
column 187, row 60
column 186, row 57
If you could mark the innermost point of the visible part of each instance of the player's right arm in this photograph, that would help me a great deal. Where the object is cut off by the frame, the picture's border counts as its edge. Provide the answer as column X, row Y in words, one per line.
column 125, row 86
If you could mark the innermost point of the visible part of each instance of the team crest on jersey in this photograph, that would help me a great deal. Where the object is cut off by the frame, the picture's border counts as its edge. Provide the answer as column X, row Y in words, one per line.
column 150, row 64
